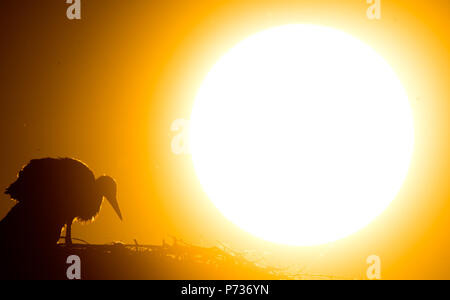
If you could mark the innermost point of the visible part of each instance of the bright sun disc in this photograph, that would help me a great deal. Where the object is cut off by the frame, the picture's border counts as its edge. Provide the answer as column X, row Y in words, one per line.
column 301, row 135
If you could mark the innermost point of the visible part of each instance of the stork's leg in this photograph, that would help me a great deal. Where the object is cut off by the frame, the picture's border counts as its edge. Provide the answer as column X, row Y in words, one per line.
column 69, row 233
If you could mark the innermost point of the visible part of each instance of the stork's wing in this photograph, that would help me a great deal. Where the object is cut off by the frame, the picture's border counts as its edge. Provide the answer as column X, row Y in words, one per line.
column 50, row 179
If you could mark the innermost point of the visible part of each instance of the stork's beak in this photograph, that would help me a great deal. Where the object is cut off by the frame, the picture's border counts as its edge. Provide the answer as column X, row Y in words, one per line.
column 115, row 205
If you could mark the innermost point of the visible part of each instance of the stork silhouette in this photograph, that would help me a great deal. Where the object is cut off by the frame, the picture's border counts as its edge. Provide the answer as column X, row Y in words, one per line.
column 51, row 193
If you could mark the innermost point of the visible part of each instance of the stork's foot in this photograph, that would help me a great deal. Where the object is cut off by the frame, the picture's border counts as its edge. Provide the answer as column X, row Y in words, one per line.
column 69, row 233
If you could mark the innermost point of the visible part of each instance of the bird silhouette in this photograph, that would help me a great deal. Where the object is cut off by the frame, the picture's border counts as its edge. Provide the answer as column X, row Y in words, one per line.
column 51, row 193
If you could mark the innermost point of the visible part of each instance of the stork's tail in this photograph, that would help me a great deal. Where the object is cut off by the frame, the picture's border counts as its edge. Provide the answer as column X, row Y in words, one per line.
column 8, row 190
column 12, row 190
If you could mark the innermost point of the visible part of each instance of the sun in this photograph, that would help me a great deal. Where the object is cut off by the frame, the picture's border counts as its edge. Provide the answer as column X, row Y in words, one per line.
column 301, row 135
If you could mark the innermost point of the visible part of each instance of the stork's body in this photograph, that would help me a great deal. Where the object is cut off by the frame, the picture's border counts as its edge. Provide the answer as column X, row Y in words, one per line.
column 57, row 191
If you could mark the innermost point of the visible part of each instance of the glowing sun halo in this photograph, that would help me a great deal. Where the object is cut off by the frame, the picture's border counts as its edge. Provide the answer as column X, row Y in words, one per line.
column 301, row 135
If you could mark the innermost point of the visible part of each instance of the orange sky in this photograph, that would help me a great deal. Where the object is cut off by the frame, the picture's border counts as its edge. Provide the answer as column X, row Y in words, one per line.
column 105, row 89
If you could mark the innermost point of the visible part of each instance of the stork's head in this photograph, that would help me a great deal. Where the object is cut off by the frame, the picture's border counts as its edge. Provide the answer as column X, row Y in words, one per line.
column 107, row 187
